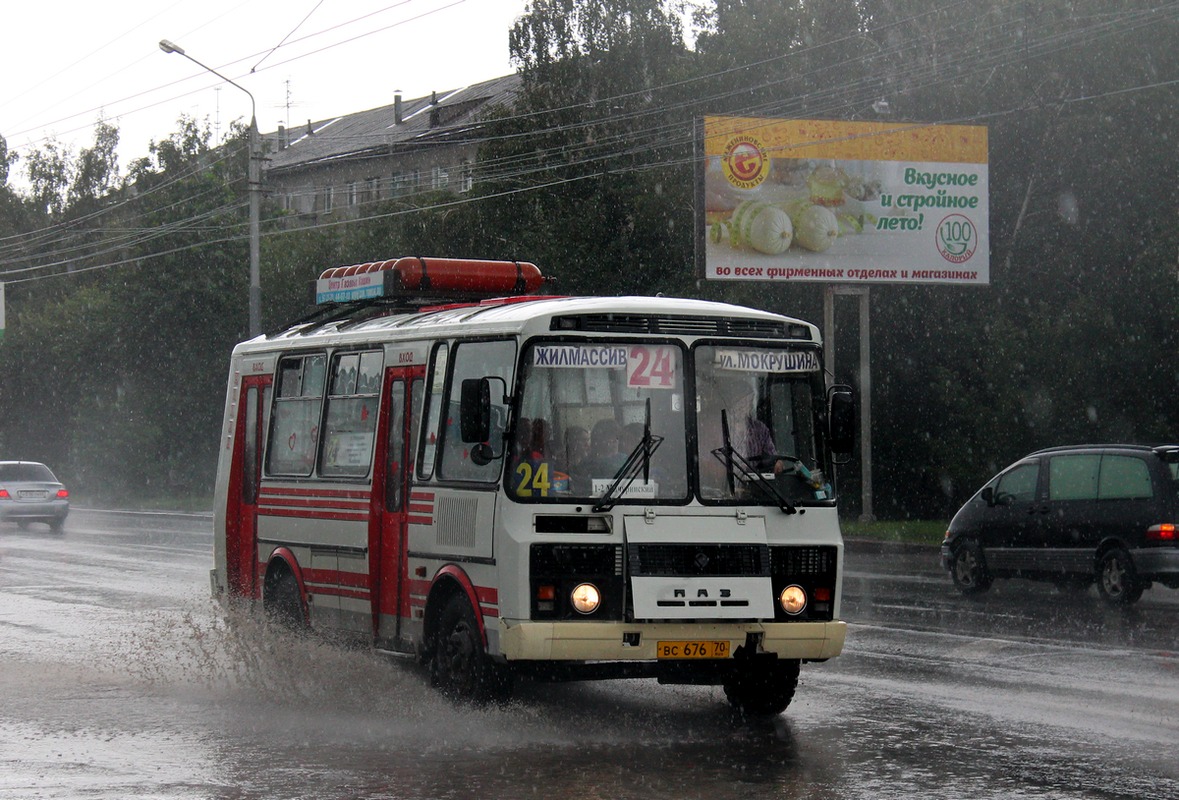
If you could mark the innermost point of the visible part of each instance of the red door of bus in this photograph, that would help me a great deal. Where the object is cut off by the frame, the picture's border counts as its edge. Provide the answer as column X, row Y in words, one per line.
column 387, row 531
column 241, row 524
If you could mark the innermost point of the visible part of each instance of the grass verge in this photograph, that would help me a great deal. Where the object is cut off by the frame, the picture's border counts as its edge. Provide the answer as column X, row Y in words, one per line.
column 909, row 531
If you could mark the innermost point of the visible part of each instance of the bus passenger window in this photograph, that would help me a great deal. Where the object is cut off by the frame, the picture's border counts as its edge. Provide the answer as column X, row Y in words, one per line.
column 351, row 417
column 295, row 431
column 429, row 442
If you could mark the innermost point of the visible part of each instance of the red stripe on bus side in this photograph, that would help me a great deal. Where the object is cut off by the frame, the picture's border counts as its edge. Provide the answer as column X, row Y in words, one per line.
column 312, row 503
column 332, row 590
column 319, row 491
column 267, row 511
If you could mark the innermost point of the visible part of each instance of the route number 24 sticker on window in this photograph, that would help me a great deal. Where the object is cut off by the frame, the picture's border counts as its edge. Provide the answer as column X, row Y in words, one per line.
column 649, row 367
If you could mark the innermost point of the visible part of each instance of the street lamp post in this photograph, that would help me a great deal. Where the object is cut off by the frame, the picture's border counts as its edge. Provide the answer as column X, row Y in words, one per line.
column 255, row 191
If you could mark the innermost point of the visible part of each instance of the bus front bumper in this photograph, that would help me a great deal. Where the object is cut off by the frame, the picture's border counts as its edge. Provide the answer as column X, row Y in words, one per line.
column 617, row 641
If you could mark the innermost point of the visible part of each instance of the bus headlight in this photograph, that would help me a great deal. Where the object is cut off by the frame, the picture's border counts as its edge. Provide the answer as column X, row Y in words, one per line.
column 585, row 598
column 793, row 599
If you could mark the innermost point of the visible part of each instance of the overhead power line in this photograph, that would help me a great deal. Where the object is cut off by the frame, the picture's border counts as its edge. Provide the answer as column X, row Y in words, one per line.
column 671, row 137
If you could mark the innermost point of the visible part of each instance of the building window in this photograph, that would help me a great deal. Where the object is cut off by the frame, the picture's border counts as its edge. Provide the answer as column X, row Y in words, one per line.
column 353, row 194
column 466, row 177
column 440, row 178
column 372, row 189
column 327, row 199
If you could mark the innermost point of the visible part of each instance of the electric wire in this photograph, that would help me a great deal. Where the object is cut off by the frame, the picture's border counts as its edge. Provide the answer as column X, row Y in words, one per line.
column 521, row 168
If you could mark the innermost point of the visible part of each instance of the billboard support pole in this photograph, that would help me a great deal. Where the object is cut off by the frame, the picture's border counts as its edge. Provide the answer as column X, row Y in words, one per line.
column 867, row 513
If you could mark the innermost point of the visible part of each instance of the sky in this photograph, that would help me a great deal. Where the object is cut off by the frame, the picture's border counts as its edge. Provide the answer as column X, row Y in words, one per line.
column 67, row 63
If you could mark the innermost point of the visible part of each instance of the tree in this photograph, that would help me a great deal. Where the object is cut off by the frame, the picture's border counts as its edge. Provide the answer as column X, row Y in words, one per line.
column 96, row 170
column 49, row 172
column 590, row 171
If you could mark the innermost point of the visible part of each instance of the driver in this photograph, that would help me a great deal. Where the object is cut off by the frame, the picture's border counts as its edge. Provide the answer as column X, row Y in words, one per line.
column 748, row 435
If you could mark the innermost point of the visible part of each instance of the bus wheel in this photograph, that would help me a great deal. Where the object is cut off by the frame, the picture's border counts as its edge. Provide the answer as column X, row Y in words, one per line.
column 762, row 689
column 284, row 604
column 459, row 667
column 1117, row 580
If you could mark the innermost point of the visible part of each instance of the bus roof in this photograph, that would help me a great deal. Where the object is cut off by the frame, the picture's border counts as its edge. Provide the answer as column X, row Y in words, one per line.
column 511, row 316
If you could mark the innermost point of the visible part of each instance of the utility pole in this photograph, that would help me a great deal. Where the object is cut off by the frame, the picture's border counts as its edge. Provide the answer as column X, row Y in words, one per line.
column 254, row 178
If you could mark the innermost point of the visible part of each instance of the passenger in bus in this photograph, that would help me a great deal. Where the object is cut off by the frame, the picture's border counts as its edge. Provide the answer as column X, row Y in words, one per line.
column 576, row 447
column 536, row 475
column 632, row 434
column 538, row 441
column 605, row 455
column 522, row 439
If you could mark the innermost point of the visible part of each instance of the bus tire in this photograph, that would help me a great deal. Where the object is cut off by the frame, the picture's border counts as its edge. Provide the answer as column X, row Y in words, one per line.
column 762, row 689
column 459, row 666
column 284, row 604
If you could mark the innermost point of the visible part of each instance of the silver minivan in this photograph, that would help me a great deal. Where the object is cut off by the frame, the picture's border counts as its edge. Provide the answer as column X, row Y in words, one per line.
column 29, row 492
column 1103, row 514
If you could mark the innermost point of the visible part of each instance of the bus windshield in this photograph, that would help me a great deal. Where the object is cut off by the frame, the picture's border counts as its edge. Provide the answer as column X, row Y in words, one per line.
column 755, row 412
column 600, row 419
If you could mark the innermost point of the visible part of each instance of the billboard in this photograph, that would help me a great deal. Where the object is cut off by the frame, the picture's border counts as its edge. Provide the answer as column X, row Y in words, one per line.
column 841, row 202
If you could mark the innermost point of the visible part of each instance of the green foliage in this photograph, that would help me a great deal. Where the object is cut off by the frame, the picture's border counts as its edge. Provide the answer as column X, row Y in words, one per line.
column 919, row 532
column 48, row 169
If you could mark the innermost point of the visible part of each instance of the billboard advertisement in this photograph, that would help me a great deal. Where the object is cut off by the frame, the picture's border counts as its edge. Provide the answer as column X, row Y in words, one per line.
column 841, row 202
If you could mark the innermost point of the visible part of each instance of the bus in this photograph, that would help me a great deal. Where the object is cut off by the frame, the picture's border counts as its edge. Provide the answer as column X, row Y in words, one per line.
column 446, row 461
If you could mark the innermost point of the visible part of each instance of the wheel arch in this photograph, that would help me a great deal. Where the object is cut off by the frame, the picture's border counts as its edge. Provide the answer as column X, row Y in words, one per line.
column 283, row 562
column 1106, row 545
column 450, row 581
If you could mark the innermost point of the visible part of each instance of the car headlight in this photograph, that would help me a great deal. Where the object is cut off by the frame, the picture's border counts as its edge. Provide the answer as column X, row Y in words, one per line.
column 585, row 598
column 792, row 599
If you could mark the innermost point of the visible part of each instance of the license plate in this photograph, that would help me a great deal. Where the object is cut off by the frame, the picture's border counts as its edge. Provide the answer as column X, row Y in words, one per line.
column 33, row 494
column 695, row 648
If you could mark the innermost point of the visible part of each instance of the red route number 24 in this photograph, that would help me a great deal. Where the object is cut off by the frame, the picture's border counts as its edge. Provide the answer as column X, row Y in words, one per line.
column 651, row 367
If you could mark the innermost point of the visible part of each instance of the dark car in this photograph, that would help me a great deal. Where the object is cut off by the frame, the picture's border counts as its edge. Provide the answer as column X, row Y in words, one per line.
column 1073, row 516
column 29, row 492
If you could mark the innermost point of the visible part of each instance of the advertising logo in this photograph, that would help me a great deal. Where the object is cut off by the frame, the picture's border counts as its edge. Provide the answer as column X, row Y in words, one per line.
column 957, row 238
column 745, row 163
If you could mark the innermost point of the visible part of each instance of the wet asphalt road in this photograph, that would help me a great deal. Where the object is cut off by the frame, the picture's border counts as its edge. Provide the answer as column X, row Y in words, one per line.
column 120, row 678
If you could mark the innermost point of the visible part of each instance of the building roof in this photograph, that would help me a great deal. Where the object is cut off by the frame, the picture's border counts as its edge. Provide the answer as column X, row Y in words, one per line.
column 440, row 118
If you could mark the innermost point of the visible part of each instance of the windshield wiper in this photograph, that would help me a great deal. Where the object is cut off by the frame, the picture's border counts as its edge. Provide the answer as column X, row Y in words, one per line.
column 638, row 460
column 730, row 458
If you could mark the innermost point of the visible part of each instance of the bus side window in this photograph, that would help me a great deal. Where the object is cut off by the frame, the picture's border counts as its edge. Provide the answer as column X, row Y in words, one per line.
column 430, row 431
column 395, row 472
column 417, row 403
column 295, row 433
column 351, row 419
column 494, row 360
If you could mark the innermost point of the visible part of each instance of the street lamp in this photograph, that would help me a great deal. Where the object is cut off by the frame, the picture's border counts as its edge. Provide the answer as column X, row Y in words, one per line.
column 255, row 187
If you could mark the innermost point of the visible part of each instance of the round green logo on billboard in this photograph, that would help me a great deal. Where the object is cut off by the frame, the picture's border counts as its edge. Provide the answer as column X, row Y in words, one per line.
column 957, row 238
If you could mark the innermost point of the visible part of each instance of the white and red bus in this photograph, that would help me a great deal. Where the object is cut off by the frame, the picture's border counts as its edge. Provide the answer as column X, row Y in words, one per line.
column 445, row 464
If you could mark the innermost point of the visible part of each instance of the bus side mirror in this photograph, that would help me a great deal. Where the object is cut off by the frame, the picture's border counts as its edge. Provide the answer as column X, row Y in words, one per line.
column 841, row 419
column 475, row 410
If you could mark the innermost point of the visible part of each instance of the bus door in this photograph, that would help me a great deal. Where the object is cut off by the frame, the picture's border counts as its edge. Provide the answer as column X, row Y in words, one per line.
column 241, row 526
column 387, row 535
